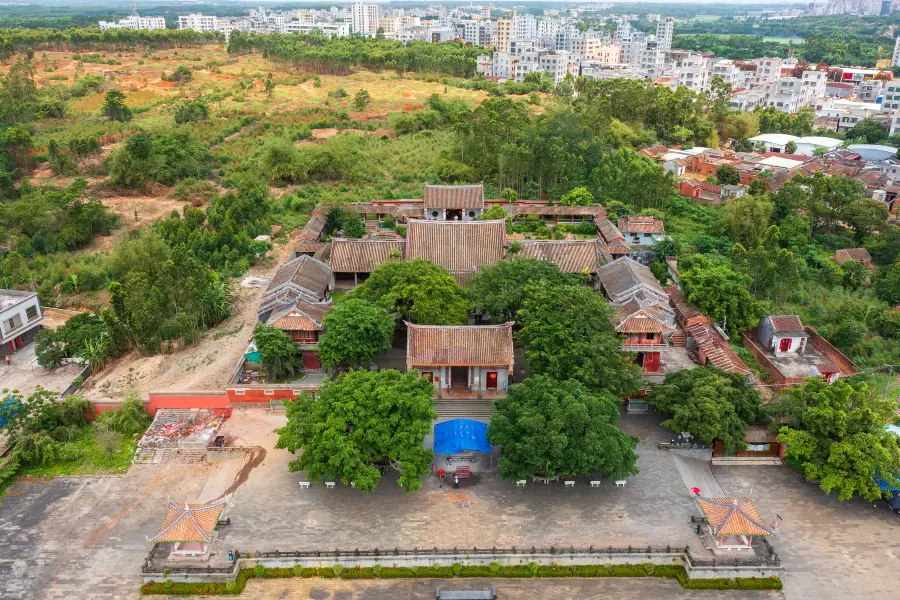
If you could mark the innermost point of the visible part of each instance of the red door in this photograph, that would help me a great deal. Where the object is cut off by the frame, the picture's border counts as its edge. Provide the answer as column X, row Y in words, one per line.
column 785, row 344
column 311, row 361
column 491, row 382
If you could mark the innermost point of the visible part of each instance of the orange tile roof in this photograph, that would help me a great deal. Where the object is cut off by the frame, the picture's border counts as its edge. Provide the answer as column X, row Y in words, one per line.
column 786, row 323
column 632, row 317
column 459, row 346
column 733, row 516
column 189, row 522
column 716, row 349
column 640, row 224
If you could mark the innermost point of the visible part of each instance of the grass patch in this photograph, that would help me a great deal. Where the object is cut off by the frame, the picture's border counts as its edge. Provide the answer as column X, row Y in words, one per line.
column 83, row 456
column 462, row 571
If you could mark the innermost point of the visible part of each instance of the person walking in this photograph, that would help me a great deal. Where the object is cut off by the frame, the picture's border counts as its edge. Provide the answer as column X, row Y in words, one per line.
column 455, row 482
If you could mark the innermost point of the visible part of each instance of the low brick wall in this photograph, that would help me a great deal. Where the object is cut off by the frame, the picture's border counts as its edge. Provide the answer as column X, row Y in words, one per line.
column 197, row 399
column 748, row 338
column 847, row 366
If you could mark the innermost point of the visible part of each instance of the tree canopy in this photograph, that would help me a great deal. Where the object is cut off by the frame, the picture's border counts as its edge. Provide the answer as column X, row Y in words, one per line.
column 418, row 291
column 277, row 351
column 355, row 332
column 549, row 428
column 358, row 425
column 708, row 402
column 567, row 334
column 720, row 292
column 835, row 434
column 499, row 290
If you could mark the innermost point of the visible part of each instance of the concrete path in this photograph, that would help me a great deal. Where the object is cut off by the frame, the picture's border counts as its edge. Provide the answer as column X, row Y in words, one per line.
column 219, row 478
column 696, row 473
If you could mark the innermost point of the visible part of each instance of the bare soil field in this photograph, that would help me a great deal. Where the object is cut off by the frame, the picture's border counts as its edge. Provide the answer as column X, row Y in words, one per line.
column 206, row 365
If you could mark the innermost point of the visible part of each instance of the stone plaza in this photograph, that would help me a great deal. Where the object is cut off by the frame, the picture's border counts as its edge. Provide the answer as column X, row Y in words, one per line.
column 87, row 537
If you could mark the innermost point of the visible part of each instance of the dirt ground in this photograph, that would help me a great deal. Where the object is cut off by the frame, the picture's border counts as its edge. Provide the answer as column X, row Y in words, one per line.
column 206, row 365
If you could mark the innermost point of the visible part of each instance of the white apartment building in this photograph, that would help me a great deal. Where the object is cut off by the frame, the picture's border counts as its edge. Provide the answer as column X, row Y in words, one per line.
column 365, row 18
column 306, row 17
column 895, row 59
column 564, row 37
column 504, row 65
column 519, row 47
column 891, row 97
column 556, row 64
column 869, row 90
column 787, row 95
column 846, row 113
column 814, row 81
column 727, row 70
column 895, row 123
column 135, row 22
column 198, row 22
column 484, row 65
column 665, row 31
column 504, row 33
column 693, row 72
column 20, row 320
column 524, row 26
column 749, row 99
column 631, row 52
column 593, row 49
column 326, row 29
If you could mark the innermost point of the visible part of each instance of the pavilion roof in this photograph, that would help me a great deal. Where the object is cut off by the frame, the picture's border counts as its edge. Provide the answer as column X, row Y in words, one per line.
column 733, row 516
column 189, row 522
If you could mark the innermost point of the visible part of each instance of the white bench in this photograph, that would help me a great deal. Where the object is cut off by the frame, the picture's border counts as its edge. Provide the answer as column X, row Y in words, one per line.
column 545, row 480
column 521, row 483
column 329, row 484
column 596, row 483
column 303, row 484
column 620, row 483
column 570, row 484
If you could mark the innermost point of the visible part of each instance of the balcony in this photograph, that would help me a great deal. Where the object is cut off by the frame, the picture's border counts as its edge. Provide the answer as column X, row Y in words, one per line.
column 645, row 346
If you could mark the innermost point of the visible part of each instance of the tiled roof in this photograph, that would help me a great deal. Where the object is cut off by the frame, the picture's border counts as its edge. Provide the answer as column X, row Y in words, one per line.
column 733, row 516
column 609, row 233
column 312, row 231
column 623, row 278
column 304, row 247
column 458, row 246
column 463, row 346
column 454, row 196
column 614, row 249
column 641, row 224
column 760, row 434
column 362, row 256
column 302, row 278
column 189, row 522
column 562, row 211
column 304, row 316
column 828, row 368
column 687, row 310
column 786, row 324
column 860, row 254
column 571, row 256
column 633, row 317
column 716, row 349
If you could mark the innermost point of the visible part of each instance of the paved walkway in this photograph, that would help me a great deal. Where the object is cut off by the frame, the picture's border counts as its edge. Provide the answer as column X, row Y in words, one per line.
column 696, row 473
column 507, row 589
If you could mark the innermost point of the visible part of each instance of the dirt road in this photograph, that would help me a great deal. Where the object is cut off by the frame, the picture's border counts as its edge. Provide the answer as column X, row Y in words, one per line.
column 206, row 365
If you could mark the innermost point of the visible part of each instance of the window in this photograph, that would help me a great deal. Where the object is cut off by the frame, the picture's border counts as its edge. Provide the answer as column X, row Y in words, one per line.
column 239, row 392
column 31, row 313
column 13, row 323
column 269, row 392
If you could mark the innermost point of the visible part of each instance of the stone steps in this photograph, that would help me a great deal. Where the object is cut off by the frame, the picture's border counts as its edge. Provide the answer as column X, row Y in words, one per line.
column 746, row 461
column 464, row 408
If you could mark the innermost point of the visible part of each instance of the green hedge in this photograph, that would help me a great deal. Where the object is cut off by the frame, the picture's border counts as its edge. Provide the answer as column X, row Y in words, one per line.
column 437, row 572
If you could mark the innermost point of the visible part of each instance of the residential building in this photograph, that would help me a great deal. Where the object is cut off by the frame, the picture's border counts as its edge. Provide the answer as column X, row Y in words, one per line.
column 365, row 19
column 859, row 254
column 727, row 70
column 895, row 59
column 504, row 65
column 693, row 72
column 524, row 26
column 665, row 31
column 136, row 22
column 198, row 22
column 20, row 320
column 641, row 230
column 464, row 358
column 891, row 98
column 774, row 142
column 809, row 145
column 352, row 261
column 504, row 32
column 484, row 65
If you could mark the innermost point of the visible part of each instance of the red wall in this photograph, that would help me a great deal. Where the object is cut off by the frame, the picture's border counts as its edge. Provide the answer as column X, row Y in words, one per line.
column 259, row 394
column 187, row 400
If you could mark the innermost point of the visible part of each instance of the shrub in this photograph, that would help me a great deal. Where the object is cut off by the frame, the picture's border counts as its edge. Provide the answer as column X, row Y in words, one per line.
column 230, row 587
column 494, row 567
column 457, row 569
column 298, row 570
column 532, row 569
column 259, row 571
column 337, row 570
column 377, row 570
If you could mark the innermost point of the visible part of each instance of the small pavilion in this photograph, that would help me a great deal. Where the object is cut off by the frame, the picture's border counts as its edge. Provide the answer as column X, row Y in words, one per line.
column 189, row 528
column 732, row 524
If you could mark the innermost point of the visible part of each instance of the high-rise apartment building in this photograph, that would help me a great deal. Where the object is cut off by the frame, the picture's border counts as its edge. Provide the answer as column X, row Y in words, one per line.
column 198, row 22
column 365, row 19
column 665, row 31
column 504, row 32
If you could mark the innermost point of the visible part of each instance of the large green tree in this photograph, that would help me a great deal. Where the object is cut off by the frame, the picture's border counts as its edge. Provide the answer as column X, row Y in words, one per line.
column 114, row 107
column 355, row 332
column 747, row 218
column 567, row 334
column 708, row 402
column 278, row 353
column 499, row 290
column 549, row 428
column 418, row 291
column 835, row 434
column 720, row 292
column 360, row 424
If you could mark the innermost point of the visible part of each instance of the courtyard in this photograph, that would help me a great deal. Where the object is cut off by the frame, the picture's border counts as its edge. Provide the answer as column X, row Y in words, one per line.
column 86, row 537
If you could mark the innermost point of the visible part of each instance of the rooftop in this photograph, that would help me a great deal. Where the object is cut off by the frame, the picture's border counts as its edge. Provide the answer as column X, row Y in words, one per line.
column 787, row 324
column 641, row 224
column 571, row 256
column 10, row 298
column 733, row 516
column 625, row 277
column 461, row 346
column 454, row 196
column 303, row 277
column 778, row 139
column 189, row 522
column 458, row 246
column 362, row 256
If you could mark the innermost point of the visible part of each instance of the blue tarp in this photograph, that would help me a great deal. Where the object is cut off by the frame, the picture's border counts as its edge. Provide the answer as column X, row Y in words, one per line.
column 459, row 435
